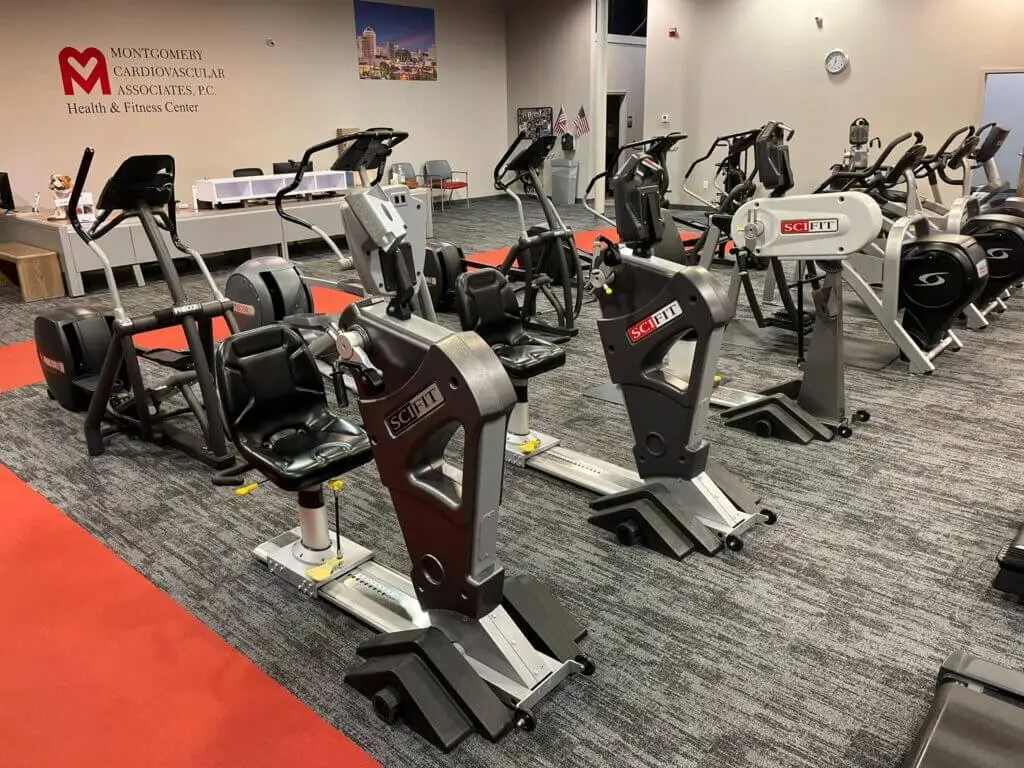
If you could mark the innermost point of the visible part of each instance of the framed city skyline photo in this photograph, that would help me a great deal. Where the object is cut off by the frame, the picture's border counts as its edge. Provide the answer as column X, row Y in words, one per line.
column 395, row 42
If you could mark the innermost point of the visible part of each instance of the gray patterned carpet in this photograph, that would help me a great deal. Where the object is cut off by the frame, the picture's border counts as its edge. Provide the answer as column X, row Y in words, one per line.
column 815, row 646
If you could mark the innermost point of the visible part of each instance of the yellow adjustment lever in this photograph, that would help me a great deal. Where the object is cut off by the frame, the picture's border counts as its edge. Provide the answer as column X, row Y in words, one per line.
column 336, row 485
column 324, row 572
column 607, row 290
column 245, row 490
column 530, row 446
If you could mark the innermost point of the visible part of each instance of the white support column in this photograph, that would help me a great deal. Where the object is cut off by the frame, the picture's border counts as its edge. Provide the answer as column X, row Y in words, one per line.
column 599, row 98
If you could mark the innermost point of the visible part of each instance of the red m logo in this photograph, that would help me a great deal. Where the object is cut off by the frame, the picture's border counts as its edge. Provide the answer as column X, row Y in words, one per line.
column 86, row 69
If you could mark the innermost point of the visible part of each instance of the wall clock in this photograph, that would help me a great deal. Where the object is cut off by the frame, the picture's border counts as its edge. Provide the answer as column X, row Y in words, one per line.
column 836, row 61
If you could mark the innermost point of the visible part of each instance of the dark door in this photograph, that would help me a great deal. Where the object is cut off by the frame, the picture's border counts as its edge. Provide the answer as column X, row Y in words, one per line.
column 612, row 130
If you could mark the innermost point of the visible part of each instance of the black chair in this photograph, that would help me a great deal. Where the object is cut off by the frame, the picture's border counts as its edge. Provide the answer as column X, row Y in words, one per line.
column 275, row 411
column 486, row 303
column 242, row 172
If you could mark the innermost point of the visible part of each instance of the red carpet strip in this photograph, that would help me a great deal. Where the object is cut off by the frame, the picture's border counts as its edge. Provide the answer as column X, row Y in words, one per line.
column 101, row 668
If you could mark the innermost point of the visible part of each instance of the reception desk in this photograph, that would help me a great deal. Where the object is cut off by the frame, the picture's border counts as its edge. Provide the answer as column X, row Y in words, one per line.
column 256, row 227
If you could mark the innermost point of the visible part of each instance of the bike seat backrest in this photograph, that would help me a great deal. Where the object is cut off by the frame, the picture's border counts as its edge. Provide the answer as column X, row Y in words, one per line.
column 486, row 303
column 771, row 154
column 275, row 410
column 638, row 216
column 147, row 179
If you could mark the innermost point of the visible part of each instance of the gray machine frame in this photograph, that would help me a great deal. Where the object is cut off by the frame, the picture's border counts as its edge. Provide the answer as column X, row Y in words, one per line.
column 417, row 383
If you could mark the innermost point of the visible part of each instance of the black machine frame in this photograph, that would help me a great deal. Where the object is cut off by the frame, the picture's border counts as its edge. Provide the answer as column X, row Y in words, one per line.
column 143, row 188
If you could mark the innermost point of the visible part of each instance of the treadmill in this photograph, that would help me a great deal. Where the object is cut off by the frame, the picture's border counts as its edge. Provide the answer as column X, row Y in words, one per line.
column 976, row 719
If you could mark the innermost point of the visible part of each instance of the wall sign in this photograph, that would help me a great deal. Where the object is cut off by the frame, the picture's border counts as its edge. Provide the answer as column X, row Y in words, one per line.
column 129, row 80
column 395, row 42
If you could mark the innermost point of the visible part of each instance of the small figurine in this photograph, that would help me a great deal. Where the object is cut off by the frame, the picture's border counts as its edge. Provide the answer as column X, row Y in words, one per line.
column 61, row 187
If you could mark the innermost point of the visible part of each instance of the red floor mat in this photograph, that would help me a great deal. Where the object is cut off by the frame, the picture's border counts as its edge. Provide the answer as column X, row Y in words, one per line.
column 101, row 668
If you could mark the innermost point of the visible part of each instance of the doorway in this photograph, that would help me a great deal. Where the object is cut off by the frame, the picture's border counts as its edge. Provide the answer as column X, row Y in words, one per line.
column 1004, row 103
column 613, row 130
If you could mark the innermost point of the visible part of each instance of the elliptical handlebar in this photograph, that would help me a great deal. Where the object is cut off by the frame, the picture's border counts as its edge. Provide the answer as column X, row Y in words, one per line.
column 76, row 194
column 386, row 136
column 500, row 169
column 721, row 141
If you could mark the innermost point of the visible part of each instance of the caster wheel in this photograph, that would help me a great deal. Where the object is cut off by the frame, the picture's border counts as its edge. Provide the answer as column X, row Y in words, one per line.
column 589, row 667
column 628, row 533
column 525, row 720
column 763, row 428
column 386, row 703
column 770, row 518
column 862, row 416
column 844, row 431
column 735, row 543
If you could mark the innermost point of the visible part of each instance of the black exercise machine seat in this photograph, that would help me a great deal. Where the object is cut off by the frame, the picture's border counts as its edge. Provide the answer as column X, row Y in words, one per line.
column 275, row 410
column 486, row 303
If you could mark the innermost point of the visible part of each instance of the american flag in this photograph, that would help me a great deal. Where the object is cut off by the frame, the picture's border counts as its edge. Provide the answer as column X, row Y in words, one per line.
column 581, row 125
column 562, row 122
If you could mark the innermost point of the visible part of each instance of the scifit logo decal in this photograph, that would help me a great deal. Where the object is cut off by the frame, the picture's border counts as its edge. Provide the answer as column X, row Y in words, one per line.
column 409, row 413
column 651, row 323
column 808, row 226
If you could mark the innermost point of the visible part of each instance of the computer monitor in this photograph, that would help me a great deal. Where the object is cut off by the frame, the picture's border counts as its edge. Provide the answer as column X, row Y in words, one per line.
column 291, row 166
column 6, row 196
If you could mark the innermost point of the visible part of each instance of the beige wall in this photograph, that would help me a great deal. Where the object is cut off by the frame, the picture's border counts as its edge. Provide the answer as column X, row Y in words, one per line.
column 549, row 51
column 626, row 72
column 670, row 87
column 274, row 101
column 916, row 65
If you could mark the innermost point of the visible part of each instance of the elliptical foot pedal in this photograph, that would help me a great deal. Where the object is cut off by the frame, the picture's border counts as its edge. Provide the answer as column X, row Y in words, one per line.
column 777, row 416
column 647, row 516
column 784, row 320
column 420, row 678
column 1010, row 578
column 542, row 617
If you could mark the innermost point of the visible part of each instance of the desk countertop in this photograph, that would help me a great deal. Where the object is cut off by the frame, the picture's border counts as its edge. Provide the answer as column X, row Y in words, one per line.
column 40, row 219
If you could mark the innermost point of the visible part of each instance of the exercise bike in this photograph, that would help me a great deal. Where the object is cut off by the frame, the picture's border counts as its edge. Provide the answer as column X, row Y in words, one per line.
column 88, row 356
column 462, row 648
column 822, row 229
column 677, row 500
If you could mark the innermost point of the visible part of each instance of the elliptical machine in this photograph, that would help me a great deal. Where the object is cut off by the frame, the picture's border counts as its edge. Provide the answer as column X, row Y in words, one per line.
column 1000, row 233
column 271, row 290
column 88, row 357
column 927, row 279
column 462, row 648
column 677, row 500
column 544, row 259
column 266, row 290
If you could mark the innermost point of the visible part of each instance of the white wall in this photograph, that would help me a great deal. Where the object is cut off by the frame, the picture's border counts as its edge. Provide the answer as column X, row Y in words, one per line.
column 670, row 84
column 273, row 102
column 549, row 61
column 627, row 60
column 916, row 65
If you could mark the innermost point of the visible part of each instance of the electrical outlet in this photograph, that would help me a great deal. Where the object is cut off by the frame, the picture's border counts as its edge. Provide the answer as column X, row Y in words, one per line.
column 706, row 185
